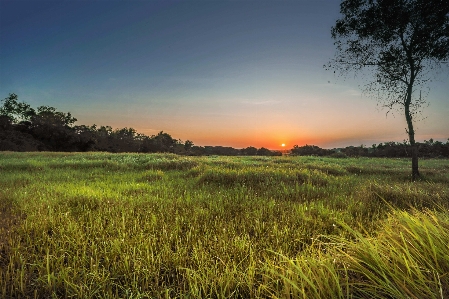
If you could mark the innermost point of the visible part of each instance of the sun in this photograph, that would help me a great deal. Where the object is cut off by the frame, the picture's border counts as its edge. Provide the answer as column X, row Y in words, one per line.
column 283, row 144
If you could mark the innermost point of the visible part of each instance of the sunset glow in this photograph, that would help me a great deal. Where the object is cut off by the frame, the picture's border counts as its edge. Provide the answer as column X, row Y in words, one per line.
column 224, row 73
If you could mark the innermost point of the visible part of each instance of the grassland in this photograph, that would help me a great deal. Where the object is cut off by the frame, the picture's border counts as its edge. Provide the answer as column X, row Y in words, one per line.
column 100, row 225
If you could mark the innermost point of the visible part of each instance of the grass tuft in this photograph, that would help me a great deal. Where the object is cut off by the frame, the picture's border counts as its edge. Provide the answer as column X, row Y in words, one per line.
column 100, row 225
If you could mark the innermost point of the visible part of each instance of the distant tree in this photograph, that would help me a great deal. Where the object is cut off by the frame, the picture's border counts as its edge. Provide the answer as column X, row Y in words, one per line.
column 85, row 137
column 309, row 150
column 53, row 128
column 400, row 41
column 188, row 145
column 355, row 151
column 197, row 151
column 276, row 153
column 249, row 151
column 103, row 136
column 264, row 152
column 15, row 110
column 162, row 142
column 124, row 140
column 51, row 116
column 221, row 150
column 5, row 123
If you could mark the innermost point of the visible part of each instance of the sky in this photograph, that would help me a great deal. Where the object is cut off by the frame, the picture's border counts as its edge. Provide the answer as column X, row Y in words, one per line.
column 230, row 73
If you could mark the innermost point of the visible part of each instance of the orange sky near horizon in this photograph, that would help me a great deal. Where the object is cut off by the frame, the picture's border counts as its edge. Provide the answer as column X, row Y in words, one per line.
column 229, row 73
column 351, row 120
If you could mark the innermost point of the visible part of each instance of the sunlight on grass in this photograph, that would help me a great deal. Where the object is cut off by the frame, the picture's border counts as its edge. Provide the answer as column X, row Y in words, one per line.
column 98, row 225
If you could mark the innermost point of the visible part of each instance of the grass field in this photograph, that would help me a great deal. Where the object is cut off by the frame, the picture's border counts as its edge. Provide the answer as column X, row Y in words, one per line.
column 99, row 225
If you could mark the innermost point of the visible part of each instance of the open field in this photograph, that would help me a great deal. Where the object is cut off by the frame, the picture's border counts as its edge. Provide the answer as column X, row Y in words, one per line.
column 98, row 225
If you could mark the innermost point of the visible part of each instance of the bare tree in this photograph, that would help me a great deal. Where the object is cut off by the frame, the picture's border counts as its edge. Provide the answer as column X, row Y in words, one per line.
column 399, row 42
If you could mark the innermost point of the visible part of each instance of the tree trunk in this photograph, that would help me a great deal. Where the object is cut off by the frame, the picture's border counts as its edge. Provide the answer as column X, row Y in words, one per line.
column 415, row 171
column 411, row 133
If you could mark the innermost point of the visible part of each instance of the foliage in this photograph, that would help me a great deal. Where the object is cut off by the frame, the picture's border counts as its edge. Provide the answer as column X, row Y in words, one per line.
column 400, row 42
column 24, row 129
column 427, row 149
column 100, row 225
column 309, row 150
column 16, row 111
column 49, row 129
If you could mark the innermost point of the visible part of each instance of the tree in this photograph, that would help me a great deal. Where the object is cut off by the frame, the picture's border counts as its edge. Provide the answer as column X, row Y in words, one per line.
column 264, row 152
column 249, row 151
column 188, row 145
column 51, row 116
column 85, row 137
column 400, row 41
column 162, row 142
column 53, row 128
column 16, row 111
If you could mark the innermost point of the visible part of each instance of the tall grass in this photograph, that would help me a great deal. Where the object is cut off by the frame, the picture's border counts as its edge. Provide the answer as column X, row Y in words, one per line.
column 100, row 225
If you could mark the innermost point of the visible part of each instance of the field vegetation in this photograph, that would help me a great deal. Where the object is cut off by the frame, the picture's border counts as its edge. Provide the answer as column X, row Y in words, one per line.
column 101, row 225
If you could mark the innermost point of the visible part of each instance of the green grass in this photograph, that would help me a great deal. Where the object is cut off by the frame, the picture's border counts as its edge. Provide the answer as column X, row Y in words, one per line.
column 99, row 225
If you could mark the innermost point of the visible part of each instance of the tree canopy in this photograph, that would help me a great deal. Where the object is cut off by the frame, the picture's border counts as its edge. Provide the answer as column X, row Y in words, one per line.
column 400, row 42
column 22, row 128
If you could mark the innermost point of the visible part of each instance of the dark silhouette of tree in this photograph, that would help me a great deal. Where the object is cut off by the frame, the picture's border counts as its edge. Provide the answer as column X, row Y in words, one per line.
column 355, row 151
column 24, row 129
column 53, row 128
column 15, row 110
column 309, row 150
column 400, row 41
column 85, row 137
column 5, row 123
column 188, row 145
column 162, row 142
column 249, row 151
column 123, row 140
column 266, row 152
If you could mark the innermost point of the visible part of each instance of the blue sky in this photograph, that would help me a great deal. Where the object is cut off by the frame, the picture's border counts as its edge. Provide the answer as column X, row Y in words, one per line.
column 235, row 73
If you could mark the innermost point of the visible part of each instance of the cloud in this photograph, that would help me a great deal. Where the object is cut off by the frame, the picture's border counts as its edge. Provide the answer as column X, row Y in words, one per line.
column 261, row 103
column 352, row 92
column 344, row 89
column 329, row 84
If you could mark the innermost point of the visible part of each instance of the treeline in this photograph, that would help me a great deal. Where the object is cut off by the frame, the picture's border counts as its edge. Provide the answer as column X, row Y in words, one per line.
column 23, row 128
column 427, row 149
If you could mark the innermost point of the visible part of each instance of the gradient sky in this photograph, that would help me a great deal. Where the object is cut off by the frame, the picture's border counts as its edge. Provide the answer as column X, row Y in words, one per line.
column 231, row 73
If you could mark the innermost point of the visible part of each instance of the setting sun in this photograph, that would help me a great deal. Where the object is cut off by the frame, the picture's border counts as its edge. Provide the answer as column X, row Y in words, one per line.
column 283, row 144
